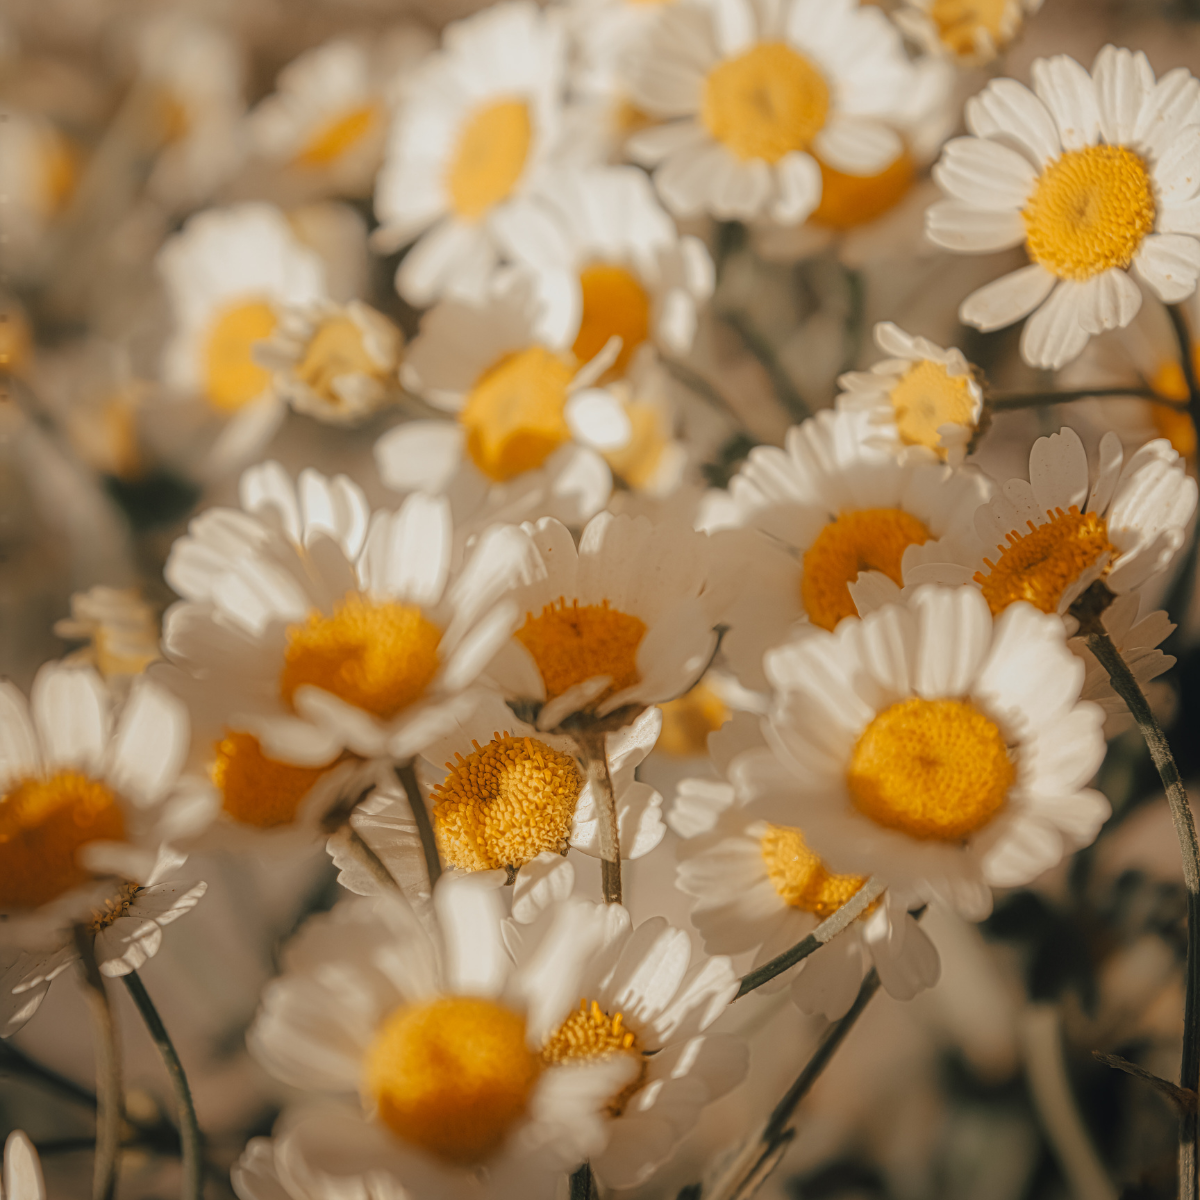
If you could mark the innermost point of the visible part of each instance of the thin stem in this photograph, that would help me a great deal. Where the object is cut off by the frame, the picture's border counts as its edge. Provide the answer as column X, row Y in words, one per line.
column 593, row 745
column 1186, row 362
column 1126, row 686
column 581, row 1183
column 192, row 1184
column 785, row 389
column 13, row 1061
column 1008, row 401
column 407, row 775
column 110, row 1110
column 826, row 931
column 700, row 386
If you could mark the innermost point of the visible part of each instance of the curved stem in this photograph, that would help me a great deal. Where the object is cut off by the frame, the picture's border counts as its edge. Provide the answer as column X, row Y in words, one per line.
column 1126, row 686
column 593, row 746
column 192, row 1185
column 785, row 390
column 1008, row 401
column 826, row 931
column 1186, row 362
column 581, row 1183
column 110, row 1095
column 407, row 775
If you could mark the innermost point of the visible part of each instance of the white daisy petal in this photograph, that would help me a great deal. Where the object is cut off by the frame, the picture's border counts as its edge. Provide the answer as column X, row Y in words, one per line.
column 1109, row 300
column 985, row 174
column 1170, row 264
column 1123, row 81
column 958, row 226
column 1008, row 299
column 1008, row 112
column 1067, row 91
column 1053, row 336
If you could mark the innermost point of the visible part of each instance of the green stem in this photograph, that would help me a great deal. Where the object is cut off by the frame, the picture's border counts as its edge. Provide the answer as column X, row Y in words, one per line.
column 110, row 1110
column 1009, row 401
column 593, row 745
column 700, row 386
column 192, row 1184
column 581, row 1183
column 1186, row 362
column 785, row 389
column 407, row 775
column 1126, row 686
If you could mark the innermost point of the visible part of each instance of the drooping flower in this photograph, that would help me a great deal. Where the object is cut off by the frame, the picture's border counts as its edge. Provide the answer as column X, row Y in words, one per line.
column 1096, row 176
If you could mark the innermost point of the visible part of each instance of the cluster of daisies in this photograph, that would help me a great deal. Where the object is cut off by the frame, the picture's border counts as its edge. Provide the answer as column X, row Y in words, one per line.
column 450, row 668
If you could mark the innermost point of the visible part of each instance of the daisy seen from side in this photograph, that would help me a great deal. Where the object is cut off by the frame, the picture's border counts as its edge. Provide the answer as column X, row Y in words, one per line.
column 971, row 32
column 1096, row 175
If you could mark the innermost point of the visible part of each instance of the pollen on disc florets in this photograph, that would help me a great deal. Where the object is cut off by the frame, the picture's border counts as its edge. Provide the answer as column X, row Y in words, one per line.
column 925, row 398
column 590, row 1033
column 452, row 1075
column 44, row 822
column 936, row 770
column 113, row 907
column 575, row 642
column 1040, row 565
column 377, row 656
column 869, row 539
column 800, row 877
column 505, row 803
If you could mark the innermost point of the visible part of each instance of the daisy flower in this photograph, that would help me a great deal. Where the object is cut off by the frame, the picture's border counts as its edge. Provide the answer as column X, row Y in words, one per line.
column 757, row 99
column 480, row 120
column 965, row 30
column 434, row 1041
column 932, row 747
column 1094, row 175
column 227, row 274
column 529, row 429
column 501, row 793
column 642, row 997
column 92, row 806
column 335, row 362
column 328, row 117
column 608, row 262
column 22, row 1177
column 1046, row 541
column 826, row 513
column 919, row 396
column 315, row 634
column 119, row 628
column 617, row 622
column 759, row 887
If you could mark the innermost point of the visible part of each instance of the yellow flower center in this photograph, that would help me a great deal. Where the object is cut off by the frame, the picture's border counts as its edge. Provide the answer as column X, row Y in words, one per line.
column 766, row 102
column 687, row 722
column 958, row 21
column 801, row 878
column 379, row 657
column 58, row 173
column 1040, row 565
column 231, row 376
column 332, row 139
column 934, row 769
column 257, row 790
column 928, row 397
column 637, row 462
column 1089, row 212
column 573, row 643
column 489, row 158
column 43, row 824
column 336, row 349
column 514, row 413
column 590, row 1033
column 869, row 539
column 505, row 804
column 452, row 1075
column 848, row 201
column 113, row 907
column 614, row 304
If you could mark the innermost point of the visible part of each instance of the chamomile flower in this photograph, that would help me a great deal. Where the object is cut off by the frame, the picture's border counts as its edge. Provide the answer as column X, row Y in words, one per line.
column 335, row 362
column 315, row 634
column 327, row 120
column 433, row 1041
column 1095, row 175
column 758, row 886
column 529, row 429
column 646, row 997
column 119, row 627
column 92, row 807
column 1052, row 537
column 757, row 99
column 619, row 621
column 934, row 747
column 39, row 170
column 227, row 274
column 816, row 518
column 480, row 120
column 966, row 30
column 22, row 1176
column 608, row 262
column 501, row 793
column 920, row 398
